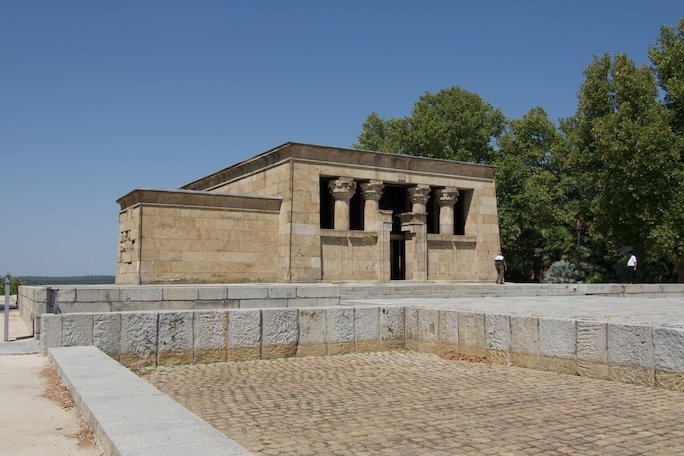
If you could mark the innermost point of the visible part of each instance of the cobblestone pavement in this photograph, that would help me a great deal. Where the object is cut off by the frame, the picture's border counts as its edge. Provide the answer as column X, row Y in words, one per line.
column 400, row 403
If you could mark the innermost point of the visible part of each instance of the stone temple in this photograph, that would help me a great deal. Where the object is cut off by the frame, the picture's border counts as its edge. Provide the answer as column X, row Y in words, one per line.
column 309, row 213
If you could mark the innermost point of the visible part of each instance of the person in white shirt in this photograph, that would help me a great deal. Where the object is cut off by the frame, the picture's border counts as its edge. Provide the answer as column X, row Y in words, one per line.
column 501, row 266
column 631, row 268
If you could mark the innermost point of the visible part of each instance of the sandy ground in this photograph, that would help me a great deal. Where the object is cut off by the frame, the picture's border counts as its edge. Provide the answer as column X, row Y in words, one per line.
column 37, row 416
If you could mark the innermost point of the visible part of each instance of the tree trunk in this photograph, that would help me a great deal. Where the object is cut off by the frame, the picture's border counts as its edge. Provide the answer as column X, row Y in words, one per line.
column 678, row 264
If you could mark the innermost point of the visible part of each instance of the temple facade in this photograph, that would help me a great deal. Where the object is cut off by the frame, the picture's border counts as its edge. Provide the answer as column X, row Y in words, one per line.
column 308, row 213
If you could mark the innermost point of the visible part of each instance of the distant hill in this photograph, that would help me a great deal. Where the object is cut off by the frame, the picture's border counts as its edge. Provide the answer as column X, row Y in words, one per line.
column 69, row 280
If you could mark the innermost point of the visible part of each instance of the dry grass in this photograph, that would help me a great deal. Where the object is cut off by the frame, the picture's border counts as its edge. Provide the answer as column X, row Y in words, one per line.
column 454, row 356
column 58, row 393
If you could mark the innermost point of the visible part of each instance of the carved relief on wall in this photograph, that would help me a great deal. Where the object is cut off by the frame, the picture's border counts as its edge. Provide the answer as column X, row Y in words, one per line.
column 126, row 247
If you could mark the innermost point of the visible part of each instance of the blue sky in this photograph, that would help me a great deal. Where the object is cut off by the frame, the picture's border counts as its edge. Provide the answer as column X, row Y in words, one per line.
column 98, row 98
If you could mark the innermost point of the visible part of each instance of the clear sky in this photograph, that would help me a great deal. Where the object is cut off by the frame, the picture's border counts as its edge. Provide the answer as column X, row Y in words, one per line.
column 98, row 98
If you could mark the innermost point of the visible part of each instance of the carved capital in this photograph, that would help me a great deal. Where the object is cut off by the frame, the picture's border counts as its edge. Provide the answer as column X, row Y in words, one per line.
column 447, row 196
column 342, row 188
column 372, row 190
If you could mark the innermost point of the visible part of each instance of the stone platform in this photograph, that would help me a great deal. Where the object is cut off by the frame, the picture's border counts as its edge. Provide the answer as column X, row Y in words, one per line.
column 633, row 338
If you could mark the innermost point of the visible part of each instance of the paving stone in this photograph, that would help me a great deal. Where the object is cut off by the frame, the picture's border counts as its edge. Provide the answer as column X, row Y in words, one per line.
column 403, row 403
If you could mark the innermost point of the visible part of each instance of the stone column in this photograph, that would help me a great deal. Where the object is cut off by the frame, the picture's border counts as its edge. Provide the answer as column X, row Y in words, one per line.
column 415, row 226
column 447, row 199
column 342, row 191
column 372, row 192
column 419, row 196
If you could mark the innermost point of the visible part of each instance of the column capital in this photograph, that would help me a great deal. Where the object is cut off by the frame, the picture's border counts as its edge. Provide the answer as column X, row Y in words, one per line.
column 447, row 196
column 342, row 188
column 372, row 190
column 419, row 194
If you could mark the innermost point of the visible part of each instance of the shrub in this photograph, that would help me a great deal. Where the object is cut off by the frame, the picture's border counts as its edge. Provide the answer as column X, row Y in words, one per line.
column 563, row 272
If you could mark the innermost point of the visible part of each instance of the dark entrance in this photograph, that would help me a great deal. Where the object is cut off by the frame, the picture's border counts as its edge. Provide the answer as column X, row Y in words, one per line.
column 395, row 198
column 397, row 257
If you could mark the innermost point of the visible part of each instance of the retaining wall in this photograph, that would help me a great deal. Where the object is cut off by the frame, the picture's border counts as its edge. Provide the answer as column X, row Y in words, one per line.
column 644, row 355
column 118, row 298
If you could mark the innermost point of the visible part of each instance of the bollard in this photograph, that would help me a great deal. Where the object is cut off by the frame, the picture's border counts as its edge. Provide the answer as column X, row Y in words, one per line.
column 52, row 300
column 7, row 290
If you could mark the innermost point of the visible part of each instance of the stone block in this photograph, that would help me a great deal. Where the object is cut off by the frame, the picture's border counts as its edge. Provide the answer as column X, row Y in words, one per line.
column 282, row 292
column 471, row 334
column 85, row 307
column 175, row 340
column 428, row 330
column 77, row 330
column 525, row 341
column 411, row 328
column 97, row 294
column 65, row 294
column 366, row 329
column 50, row 331
column 630, row 354
column 216, row 305
column 212, row 293
column 210, row 336
column 668, row 347
column 107, row 333
column 248, row 292
column 138, row 339
column 391, row 328
column 311, row 332
column 262, row 303
column 144, row 294
column 498, row 338
column 318, row 291
column 592, row 349
column 244, row 334
column 558, row 345
column 136, row 306
column 280, row 333
column 339, row 326
column 448, row 331
column 180, row 294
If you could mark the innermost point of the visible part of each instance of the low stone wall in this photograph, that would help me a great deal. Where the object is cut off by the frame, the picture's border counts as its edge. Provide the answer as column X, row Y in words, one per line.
column 122, row 298
column 644, row 355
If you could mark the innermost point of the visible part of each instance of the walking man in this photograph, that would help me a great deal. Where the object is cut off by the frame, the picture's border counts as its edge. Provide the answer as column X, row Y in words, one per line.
column 501, row 266
column 631, row 268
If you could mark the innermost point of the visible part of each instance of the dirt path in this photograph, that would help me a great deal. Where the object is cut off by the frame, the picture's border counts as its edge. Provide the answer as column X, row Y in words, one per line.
column 37, row 416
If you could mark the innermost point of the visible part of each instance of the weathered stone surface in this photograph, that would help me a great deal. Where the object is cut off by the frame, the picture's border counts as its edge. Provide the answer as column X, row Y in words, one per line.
column 428, row 330
column 50, row 331
column 592, row 349
column 392, row 325
column 525, row 341
column 339, row 325
column 210, row 336
column 280, row 333
column 366, row 329
column 107, row 333
column 282, row 292
column 77, row 330
column 630, row 354
column 175, row 342
column 471, row 334
column 318, row 291
column 248, row 292
column 668, row 346
column 558, row 345
column 92, row 294
column 138, row 339
column 498, row 338
column 448, row 331
column 185, row 293
column 244, row 334
column 311, row 332
column 411, row 328
column 143, row 294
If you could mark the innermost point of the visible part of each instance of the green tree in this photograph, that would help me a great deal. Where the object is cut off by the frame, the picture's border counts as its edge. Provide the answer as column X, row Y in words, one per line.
column 668, row 57
column 15, row 283
column 452, row 124
column 533, row 219
column 627, row 159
